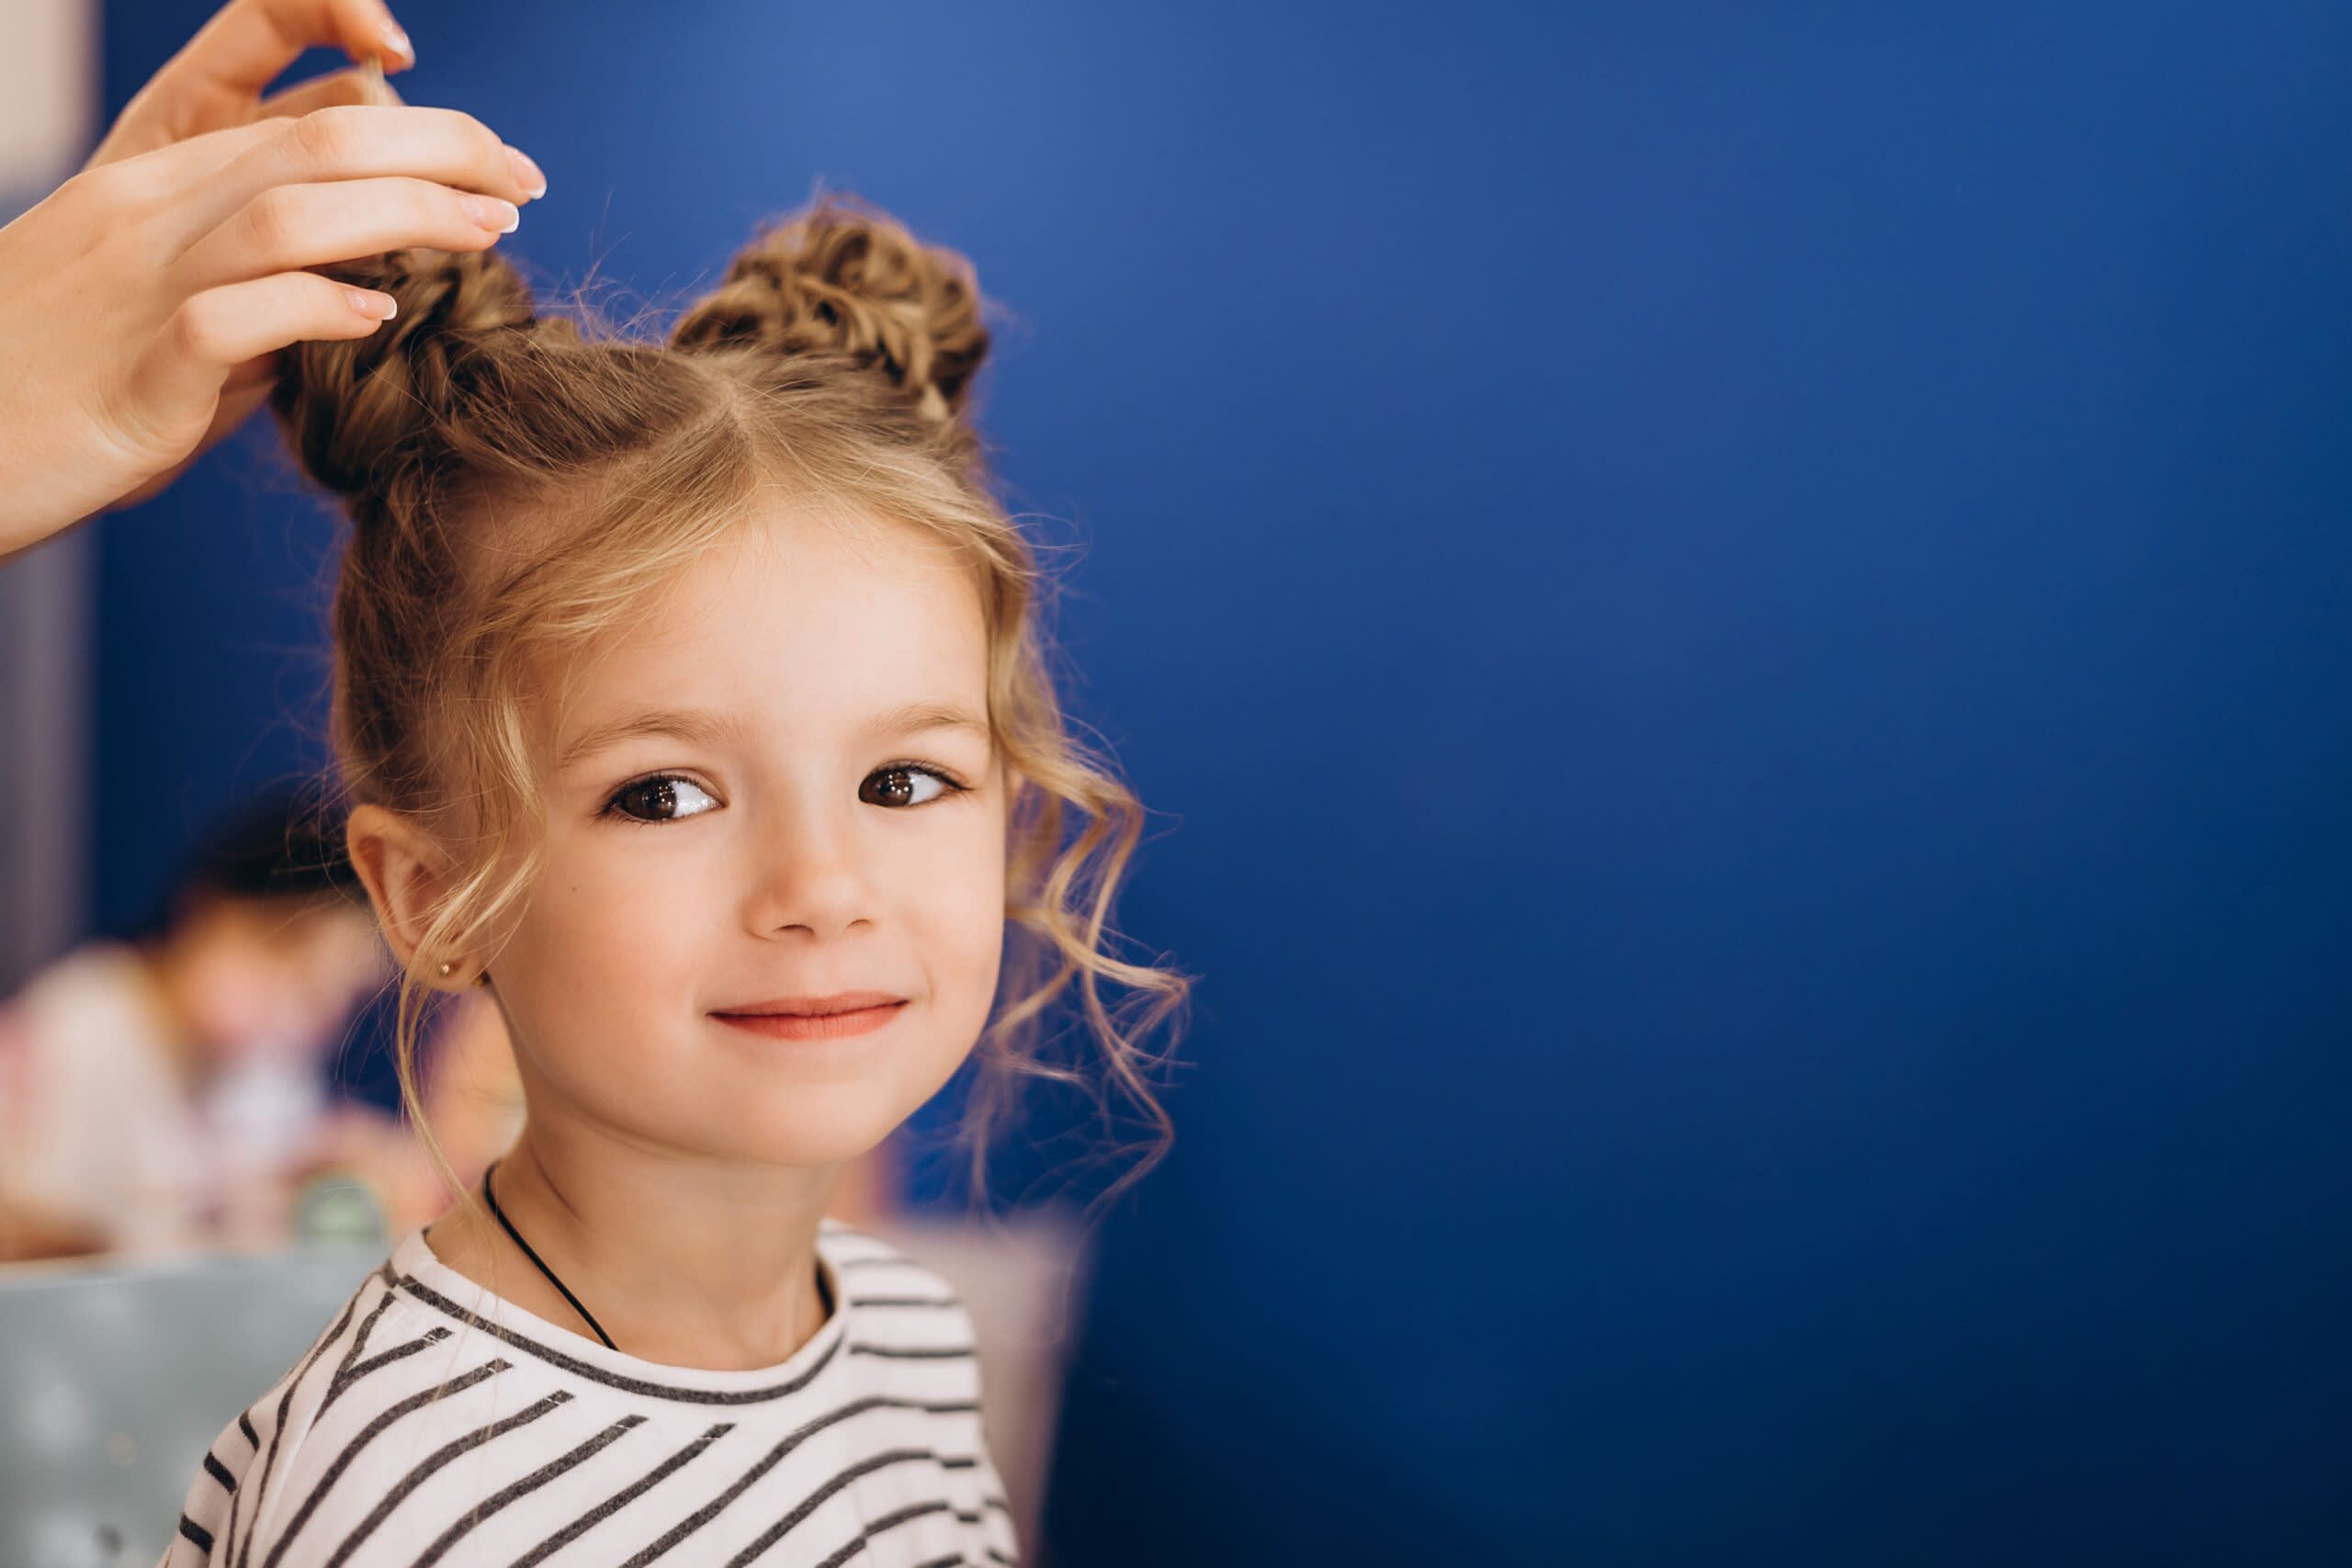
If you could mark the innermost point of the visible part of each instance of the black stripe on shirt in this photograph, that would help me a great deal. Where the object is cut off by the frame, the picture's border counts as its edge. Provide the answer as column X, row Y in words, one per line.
column 857, row 1542
column 358, row 1344
column 766, row 1462
column 368, row 1433
column 579, row 1368
column 572, row 1364
column 196, row 1533
column 808, row 1504
column 245, row 1425
column 218, row 1471
column 447, row 1452
column 530, row 1483
column 622, row 1499
column 243, row 1555
column 349, row 1375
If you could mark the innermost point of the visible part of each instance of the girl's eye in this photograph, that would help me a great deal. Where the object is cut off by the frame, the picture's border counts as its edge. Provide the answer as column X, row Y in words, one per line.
column 660, row 794
column 911, row 770
column 660, row 801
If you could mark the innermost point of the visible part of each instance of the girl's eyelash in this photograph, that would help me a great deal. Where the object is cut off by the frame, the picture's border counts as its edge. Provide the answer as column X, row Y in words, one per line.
column 954, row 786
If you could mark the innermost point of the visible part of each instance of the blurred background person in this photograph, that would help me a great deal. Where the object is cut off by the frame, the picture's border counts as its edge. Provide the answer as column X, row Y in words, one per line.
column 166, row 1091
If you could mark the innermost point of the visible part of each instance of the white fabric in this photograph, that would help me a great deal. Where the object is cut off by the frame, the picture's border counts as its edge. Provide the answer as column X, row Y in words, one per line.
column 435, row 1423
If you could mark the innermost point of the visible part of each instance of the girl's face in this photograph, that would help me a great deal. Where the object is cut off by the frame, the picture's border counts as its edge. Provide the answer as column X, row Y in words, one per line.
column 743, row 807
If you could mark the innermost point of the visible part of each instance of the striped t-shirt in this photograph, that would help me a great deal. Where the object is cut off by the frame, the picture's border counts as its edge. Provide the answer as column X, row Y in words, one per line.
column 433, row 1422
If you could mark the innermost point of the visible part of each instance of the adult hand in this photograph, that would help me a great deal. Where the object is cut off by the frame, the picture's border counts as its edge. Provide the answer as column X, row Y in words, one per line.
column 144, row 301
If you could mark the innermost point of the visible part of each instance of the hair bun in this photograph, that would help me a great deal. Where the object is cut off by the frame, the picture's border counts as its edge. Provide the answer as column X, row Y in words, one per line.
column 843, row 276
column 353, row 408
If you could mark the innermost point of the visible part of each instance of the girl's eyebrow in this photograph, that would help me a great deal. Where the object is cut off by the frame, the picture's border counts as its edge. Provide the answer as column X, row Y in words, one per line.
column 704, row 728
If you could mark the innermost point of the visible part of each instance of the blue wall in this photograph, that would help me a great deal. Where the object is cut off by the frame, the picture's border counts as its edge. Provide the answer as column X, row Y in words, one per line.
column 1738, row 618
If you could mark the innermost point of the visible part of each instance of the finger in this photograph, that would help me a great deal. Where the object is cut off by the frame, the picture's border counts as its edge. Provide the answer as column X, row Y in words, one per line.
column 220, row 330
column 355, row 142
column 167, row 173
column 213, row 83
column 287, row 227
column 167, row 170
column 247, row 43
column 320, row 92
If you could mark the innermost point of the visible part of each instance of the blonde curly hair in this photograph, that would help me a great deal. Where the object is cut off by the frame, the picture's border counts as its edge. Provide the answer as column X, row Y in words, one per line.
column 834, row 361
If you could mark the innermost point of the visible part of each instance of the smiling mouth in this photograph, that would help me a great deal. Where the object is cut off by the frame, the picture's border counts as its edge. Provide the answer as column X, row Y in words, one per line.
column 811, row 1007
column 812, row 1026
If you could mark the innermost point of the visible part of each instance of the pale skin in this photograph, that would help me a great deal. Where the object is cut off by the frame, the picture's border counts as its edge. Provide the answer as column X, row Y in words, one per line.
column 672, row 1168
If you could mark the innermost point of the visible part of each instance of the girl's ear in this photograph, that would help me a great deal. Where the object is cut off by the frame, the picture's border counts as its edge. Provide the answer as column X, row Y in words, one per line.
column 401, row 868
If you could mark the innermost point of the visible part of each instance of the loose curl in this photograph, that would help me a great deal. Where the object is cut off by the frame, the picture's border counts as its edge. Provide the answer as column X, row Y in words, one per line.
column 519, row 488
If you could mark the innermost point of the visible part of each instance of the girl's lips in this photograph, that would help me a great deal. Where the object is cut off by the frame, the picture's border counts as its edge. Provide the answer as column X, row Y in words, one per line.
column 808, row 1026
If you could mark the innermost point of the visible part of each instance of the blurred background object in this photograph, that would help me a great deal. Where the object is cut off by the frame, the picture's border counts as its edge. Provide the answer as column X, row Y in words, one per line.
column 1021, row 1276
column 116, row 1374
column 169, row 1091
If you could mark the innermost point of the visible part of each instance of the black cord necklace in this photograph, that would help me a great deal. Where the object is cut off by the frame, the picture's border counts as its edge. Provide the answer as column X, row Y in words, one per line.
column 537, row 1259
column 824, row 1291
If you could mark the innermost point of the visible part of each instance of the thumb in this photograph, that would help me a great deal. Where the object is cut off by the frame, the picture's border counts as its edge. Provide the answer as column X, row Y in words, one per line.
column 245, row 390
column 355, row 85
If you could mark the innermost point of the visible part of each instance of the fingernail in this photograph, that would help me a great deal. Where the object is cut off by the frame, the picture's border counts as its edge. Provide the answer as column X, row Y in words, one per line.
column 494, row 213
column 398, row 41
column 535, row 184
column 374, row 306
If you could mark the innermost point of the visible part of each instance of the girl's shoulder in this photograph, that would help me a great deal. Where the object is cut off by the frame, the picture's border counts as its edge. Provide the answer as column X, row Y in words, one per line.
column 908, row 1325
column 897, row 1298
column 253, row 1475
column 387, row 1402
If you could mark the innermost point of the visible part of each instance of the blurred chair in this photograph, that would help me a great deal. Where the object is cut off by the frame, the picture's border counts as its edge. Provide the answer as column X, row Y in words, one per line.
column 116, row 1376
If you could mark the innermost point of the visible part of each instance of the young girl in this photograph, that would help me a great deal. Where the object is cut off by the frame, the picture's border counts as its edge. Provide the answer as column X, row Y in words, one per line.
column 688, row 698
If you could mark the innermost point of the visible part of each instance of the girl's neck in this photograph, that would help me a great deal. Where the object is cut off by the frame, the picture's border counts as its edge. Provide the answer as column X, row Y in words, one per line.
column 683, row 1265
